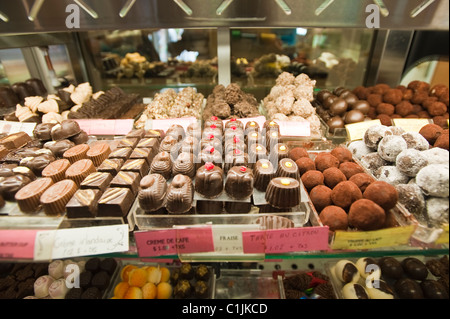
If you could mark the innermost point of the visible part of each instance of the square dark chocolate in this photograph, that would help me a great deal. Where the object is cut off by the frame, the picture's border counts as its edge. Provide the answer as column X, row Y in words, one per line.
column 97, row 180
column 126, row 179
column 122, row 153
column 115, row 202
column 110, row 165
column 143, row 153
column 136, row 165
column 128, row 142
column 83, row 204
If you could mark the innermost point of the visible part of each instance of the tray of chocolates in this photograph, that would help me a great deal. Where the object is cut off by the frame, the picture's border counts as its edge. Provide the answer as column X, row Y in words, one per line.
column 224, row 173
column 413, row 277
column 417, row 166
column 138, row 280
column 343, row 195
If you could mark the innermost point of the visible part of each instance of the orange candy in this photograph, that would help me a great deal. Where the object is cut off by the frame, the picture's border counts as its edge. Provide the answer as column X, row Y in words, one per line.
column 149, row 291
column 133, row 293
column 137, row 277
column 120, row 289
column 165, row 274
column 126, row 271
column 164, row 290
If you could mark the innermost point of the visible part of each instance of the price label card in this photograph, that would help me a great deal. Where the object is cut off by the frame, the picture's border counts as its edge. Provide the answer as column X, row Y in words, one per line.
column 74, row 242
column 295, row 128
column 156, row 242
column 411, row 125
column 228, row 238
column 17, row 243
column 194, row 240
column 164, row 124
column 106, row 127
column 373, row 239
column 286, row 240
column 443, row 238
column 356, row 131
column 10, row 127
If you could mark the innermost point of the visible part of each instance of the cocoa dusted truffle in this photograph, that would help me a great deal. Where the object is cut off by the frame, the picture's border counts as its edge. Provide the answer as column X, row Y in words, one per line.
column 393, row 96
column 321, row 197
column 431, row 132
column 366, row 215
column 437, row 109
column 325, row 160
column 305, row 164
column 333, row 176
column 382, row 193
column 362, row 180
column 334, row 217
column 443, row 141
column 404, row 108
column 384, row 119
column 385, row 108
column 350, row 168
column 342, row 154
column 312, row 178
column 298, row 152
column 345, row 194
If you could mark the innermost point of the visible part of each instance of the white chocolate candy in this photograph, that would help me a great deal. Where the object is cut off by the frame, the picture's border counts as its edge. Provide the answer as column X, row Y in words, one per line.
column 368, row 266
column 56, row 269
column 346, row 271
column 380, row 290
column 354, row 291
column 41, row 286
column 58, row 289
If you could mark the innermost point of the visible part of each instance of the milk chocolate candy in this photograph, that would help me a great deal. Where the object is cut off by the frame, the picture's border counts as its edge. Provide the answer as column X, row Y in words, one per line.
column 3, row 151
column 288, row 168
column 263, row 173
column 152, row 143
column 122, row 153
column 136, row 165
column 128, row 142
column 162, row 164
column 153, row 191
column 211, row 155
column 278, row 152
column 257, row 152
column 98, row 153
column 283, row 192
column 76, row 153
column 9, row 186
column 79, row 170
column 146, row 154
column 115, row 202
column 97, row 180
column 167, row 143
column 137, row 133
column 37, row 164
column 43, row 131
column 209, row 207
column 214, row 120
column 236, row 158
column 80, row 138
column 23, row 90
column 28, row 198
column 25, row 171
column 65, row 130
column 15, row 140
column 111, row 165
column 239, row 182
column 59, row 147
column 128, row 180
column 83, row 204
column 184, row 164
column 209, row 180
column 237, row 207
column 56, row 170
column 158, row 134
column 55, row 198
column 177, row 131
column 234, row 123
column 180, row 195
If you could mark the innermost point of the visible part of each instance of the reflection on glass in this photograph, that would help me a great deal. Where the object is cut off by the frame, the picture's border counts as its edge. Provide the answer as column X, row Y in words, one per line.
column 14, row 66
column 332, row 57
column 432, row 69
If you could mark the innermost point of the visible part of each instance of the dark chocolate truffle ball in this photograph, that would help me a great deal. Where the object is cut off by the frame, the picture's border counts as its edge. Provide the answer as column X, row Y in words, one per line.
column 385, row 108
column 437, row 108
column 350, row 168
column 345, row 194
column 393, row 96
column 321, row 95
column 414, row 268
column 391, row 267
column 325, row 160
column 342, row 154
column 362, row 180
column 362, row 106
column 335, row 122
column 321, row 197
column 333, row 176
column 404, row 108
column 354, row 116
column 338, row 107
column 443, row 141
column 305, row 164
column 365, row 215
column 334, row 217
column 408, row 289
column 311, row 179
column 382, row 193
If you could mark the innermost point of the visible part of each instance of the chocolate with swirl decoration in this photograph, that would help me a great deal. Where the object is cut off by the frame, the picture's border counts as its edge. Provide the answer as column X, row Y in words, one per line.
column 184, row 164
column 136, row 165
column 83, row 204
column 115, row 202
column 153, row 191
column 111, row 165
column 162, row 164
column 180, row 195
column 97, row 180
column 122, row 153
column 125, row 179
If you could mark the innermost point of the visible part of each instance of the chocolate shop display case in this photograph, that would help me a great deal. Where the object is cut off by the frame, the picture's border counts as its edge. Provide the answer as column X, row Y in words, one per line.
column 323, row 40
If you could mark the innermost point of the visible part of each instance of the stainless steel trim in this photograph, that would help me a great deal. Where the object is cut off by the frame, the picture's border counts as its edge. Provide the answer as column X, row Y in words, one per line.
column 184, row 7
column 323, row 7
column 383, row 9
column 418, row 10
column 224, row 55
column 223, row 6
column 126, row 8
column 35, row 9
column 87, row 8
column 283, row 5
column 4, row 17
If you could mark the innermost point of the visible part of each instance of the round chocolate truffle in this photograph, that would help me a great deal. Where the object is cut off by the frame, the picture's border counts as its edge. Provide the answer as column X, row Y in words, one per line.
column 362, row 106
column 436, row 155
column 298, row 152
column 305, row 164
column 342, row 154
column 391, row 175
column 372, row 162
column 374, row 135
column 407, row 288
column 350, row 168
column 411, row 197
column 434, row 180
column 338, row 107
column 437, row 211
column 431, row 132
column 382, row 193
column 414, row 268
column 362, row 180
column 393, row 96
column 345, row 194
column 336, row 122
column 359, row 149
column 410, row 162
column 354, row 116
column 443, row 141
column 385, row 108
column 365, row 215
column 334, row 217
column 416, row 141
column 390, row 146
column 321, row 197
column 384, row 119
column 333, row 176
column 325, row 160
column 312, row 178
column 391, row 268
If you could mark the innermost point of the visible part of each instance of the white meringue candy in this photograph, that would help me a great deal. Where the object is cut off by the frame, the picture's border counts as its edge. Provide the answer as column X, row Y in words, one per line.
column 32, row 102
column 58, row 289
column 52, row 117
column 48, row 106
column 41, row 286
